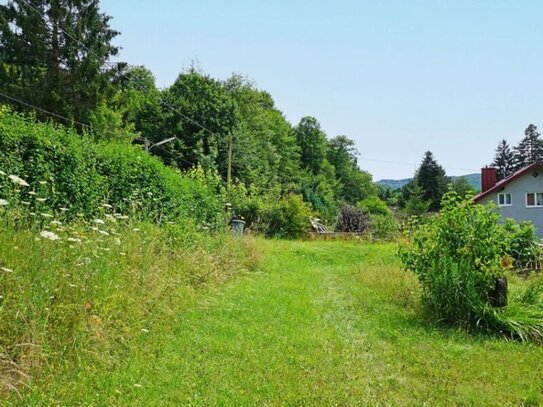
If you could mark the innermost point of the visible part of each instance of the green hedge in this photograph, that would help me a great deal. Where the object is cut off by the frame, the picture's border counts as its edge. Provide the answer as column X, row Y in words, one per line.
column 74, row 172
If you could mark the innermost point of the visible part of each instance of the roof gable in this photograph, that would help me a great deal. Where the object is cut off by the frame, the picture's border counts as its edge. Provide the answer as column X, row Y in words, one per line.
column 505, row 181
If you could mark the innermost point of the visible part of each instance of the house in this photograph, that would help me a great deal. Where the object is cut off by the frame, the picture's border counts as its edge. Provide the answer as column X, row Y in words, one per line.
column 519, row 196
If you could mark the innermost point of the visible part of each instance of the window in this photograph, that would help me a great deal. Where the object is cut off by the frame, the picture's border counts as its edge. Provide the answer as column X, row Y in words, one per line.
column 534, row 199
column 504, row 200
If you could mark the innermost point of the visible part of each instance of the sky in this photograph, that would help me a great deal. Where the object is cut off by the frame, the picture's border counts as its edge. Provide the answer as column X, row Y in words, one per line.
column 398, row 77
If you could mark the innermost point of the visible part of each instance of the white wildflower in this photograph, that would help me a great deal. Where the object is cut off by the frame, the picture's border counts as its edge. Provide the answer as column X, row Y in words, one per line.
column 74, row 240
column 32, row 213
column 103, row 232
column 107, row 206
column 56, row 223
column 2, row 173
column 46, row 215
column 63, row 209
column 41, row 199
column 19, row 181
column 99, row 221
column 49, row 235
column 136, row 230
column 43, row 182
column 6, row 269
column 25, row 203
column 94, row 228
column 137, row 385
column 31, row 192
column 122, row 254
column 3, row 202
column 144, row 330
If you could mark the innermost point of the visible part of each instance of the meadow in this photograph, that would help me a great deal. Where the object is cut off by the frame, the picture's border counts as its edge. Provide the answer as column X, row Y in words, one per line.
column 296, row 323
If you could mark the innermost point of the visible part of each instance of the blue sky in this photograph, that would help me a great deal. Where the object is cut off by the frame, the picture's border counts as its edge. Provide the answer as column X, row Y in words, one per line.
column 398, row 77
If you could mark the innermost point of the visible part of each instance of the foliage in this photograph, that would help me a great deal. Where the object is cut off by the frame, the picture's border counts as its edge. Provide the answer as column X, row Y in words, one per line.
column 384, row 226
column 352, row 219
column 504, row 160
column 288, row 218
column 430, row 176
column 44, row 66
column 462, row 187
column 416, row 204
column 458, row 257
column 374, row 205
column 522, row 244
column 73, row 173
column 530, row 149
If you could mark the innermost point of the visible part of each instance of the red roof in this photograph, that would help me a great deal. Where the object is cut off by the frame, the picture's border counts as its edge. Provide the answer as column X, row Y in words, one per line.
column 500, row 185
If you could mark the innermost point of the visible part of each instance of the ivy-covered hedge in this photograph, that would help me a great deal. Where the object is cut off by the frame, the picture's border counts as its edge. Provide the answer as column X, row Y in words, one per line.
column 73, row 174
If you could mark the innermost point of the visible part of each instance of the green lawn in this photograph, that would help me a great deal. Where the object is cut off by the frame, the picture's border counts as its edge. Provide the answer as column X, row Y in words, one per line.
column 319, row 323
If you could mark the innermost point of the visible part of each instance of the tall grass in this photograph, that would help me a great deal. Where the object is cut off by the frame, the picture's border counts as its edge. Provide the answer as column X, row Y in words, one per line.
column 80, row 294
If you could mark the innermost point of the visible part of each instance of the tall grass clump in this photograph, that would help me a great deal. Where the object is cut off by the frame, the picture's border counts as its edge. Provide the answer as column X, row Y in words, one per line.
column 462, row 258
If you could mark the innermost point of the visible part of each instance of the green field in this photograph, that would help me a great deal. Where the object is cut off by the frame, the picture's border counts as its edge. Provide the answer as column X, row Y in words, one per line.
column 317, row 323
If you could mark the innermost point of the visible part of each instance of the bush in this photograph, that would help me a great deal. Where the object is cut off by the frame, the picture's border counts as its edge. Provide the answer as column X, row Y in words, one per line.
column 384, row 227
column 351, row 219
column 287, row 218
column 458, row 257
column 522, row 244
column 374, row 205
column 69, row 171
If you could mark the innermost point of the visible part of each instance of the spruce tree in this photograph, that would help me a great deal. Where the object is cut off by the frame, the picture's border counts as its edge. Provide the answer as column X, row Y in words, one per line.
column 45, row 57
column 504, row 160
column 530, row 148
column 431, row 177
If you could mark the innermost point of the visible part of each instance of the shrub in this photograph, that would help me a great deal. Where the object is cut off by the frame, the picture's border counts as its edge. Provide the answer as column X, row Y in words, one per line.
column 384, row 227
column 374, row 205
column 457, row 257
column 351, row 219
column 287, row 218
column 66, row 170
column 522, row 244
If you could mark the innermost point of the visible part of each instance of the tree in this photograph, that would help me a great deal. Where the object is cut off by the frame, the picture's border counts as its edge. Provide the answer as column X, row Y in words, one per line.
column 504, row 160
column 313, row 145
column 66, row 74
column 462, row 187
column 530, row 149
column 430, row 176
column 416, row 204
column 355, row 184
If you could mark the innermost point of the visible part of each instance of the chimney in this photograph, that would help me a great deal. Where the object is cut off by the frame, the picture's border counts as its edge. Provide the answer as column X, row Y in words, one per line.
column 488, row 178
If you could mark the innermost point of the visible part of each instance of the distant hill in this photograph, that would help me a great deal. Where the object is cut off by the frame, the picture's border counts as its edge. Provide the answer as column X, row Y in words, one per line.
column 473, row 179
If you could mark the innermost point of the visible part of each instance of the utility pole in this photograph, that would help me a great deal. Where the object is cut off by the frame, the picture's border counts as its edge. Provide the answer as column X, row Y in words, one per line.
column 229, row 170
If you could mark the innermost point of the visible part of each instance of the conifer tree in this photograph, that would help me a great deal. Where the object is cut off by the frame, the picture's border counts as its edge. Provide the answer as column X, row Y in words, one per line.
column 504, row 160
column 45, row 57
column 530, row 148
column 430, row 176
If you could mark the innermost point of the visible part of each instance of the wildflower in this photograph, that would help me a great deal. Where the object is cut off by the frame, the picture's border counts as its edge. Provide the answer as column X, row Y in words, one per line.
column 41, row 199
column 46, row 215
column 74, row 240
column 19, row 181
column 25, row 203
column 32, row 213
column 144, row 330
column 122, row 254
column 95, row 229
column 99, row 221
column 2, row 173
column 63, row 209
column 3, row 202
column 43, row 182
column 31, row 192
column 137, row 385
column 107, row 206
column 56, row 223
column 6, row 269
column 103, row 232
column 49, row 235
column 136, row 230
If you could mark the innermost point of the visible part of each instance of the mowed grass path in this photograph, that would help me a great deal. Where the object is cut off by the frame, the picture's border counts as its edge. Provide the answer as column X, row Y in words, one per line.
column 320, row 323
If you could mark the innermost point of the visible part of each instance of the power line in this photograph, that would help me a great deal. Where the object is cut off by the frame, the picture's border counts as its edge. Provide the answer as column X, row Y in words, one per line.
column 412, row 164
column 44, row 111
column 111, row 65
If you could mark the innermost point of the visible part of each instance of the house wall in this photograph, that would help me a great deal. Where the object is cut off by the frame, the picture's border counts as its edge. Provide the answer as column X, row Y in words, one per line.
column 518, row 210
